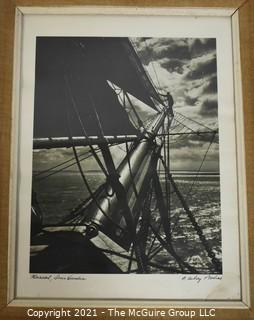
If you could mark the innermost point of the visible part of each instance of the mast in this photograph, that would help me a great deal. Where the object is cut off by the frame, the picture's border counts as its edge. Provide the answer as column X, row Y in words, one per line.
column 139, row 160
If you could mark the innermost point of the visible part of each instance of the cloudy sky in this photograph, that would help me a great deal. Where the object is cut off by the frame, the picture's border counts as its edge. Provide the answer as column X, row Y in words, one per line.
column 187, row 69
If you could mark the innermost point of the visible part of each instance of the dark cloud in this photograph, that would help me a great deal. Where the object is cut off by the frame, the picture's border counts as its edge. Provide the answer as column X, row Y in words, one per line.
column 173, row 65
column 162, row 48
column 200, row 47
column 209, row 108
column 189, row 101
column 180, row 52
column 179, row 49
column 202, row 69
column 211, row 87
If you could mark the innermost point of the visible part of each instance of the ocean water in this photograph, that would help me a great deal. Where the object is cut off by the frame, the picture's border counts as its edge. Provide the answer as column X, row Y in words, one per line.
column 203, row 199
column 62, row 192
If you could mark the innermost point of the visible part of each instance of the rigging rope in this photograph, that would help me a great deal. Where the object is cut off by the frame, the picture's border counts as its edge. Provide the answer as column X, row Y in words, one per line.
column 195, row 180
column 97, row 150
column 140, row 122
column 173, row 253
column 195, row 121
column 165, row 151
column 60, row 170
column 90, row 190
column 152, row 62
column 58, row 165
column 201, row 165
column 85, row 180
column 83, row 128
column 130, row 170
column 146, row 72
column 80, row 167
column 199, row 231
column 154, row 238
column 186, row 126
column 122, row 101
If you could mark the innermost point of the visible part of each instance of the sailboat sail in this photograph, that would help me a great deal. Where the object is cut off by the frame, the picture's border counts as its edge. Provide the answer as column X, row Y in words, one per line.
column 72, row 86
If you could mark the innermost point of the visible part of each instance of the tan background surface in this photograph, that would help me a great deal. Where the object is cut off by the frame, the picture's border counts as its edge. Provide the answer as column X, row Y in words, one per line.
column 7, row 14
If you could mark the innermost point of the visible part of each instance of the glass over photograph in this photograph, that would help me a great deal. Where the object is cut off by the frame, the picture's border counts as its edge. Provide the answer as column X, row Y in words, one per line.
column 126, row 174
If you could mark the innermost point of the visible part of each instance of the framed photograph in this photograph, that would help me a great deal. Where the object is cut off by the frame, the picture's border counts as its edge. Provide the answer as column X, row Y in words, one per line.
column 127, row 143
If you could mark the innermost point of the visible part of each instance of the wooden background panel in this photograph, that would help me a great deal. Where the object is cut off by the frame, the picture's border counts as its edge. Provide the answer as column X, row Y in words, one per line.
column 7, row 14
column 6, row 58
column 246, row 22
column 151, row 3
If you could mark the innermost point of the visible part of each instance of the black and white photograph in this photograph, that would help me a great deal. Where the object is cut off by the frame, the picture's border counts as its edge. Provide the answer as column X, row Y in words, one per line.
column 127, row 160
column 126, row 174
